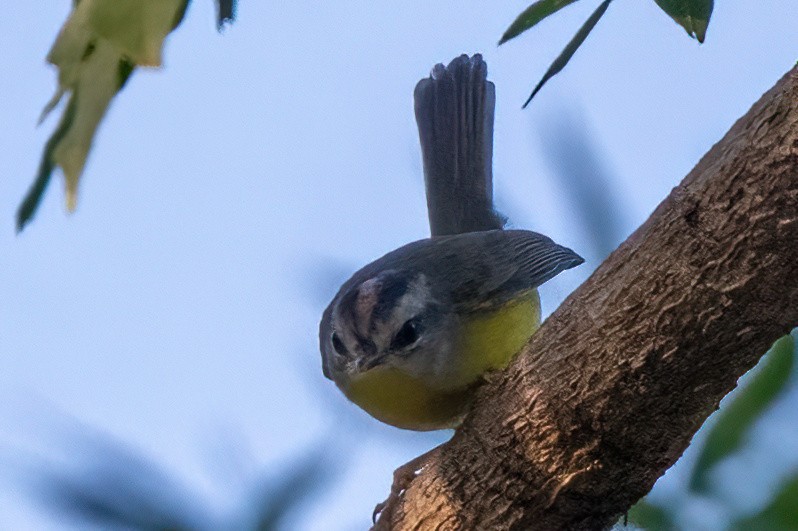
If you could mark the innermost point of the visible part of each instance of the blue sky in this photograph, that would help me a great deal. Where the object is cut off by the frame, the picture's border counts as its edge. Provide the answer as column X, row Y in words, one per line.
column 229, row 193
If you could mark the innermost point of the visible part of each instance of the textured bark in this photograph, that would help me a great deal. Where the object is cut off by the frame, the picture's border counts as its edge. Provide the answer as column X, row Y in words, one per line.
column 607, row 395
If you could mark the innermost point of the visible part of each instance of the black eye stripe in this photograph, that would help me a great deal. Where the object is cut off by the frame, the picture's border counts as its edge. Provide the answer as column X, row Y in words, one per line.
column 393, row 288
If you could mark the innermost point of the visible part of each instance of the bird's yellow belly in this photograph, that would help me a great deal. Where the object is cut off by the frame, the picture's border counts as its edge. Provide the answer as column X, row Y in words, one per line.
column 404, row 401
column 488, row 341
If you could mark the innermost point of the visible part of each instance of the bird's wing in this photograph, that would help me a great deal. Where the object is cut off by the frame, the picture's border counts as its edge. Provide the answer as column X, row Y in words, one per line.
column 487, row 269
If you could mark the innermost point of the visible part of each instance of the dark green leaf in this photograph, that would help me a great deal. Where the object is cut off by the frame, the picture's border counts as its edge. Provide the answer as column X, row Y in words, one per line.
column 571, row 48
column 125, row 70
column 650, row 517
column 692, row 15
column 532, row 15
column 225, row 12
column 34, row 196
column 181, row 13
column 735, row 420
column 780, row 514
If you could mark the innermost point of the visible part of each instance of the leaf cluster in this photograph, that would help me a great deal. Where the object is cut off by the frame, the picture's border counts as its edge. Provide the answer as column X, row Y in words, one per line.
column 98, row 48
column 692, row 15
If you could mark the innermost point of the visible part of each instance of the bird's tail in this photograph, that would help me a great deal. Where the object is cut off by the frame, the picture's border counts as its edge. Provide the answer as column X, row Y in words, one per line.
column 454, row 112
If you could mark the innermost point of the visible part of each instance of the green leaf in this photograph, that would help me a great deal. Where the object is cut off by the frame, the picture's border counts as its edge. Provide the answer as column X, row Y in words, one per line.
column 180, row 14
column 137, row 28
column 124, row 71
column 571, row 48
column 34, row 196
column 692, row 15
column 96, row 51
column 780, row 514
column 650, row 517
column 532, row 15
column 736, row 419
column 225, row 12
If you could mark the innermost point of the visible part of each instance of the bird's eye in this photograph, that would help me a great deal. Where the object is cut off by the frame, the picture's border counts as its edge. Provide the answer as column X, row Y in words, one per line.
column 338, row 345
column 406, row 336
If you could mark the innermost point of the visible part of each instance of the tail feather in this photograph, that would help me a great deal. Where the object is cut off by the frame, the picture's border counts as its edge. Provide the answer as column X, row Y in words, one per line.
column 454, row 112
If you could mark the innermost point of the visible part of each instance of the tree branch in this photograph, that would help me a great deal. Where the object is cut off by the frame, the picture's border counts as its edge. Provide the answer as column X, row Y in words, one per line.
column 609, row 392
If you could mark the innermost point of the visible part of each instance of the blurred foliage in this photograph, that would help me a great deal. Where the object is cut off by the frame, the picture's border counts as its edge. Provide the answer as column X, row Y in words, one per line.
column 578, row 165
column 781, row 514
column 727, row 436
column 650, row 517
column 735, row 421
column 281, row 497
column 692, row 15
column 108, row 484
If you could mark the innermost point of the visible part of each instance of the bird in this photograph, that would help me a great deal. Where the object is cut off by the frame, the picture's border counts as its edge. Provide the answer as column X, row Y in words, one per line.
column 410, row 336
